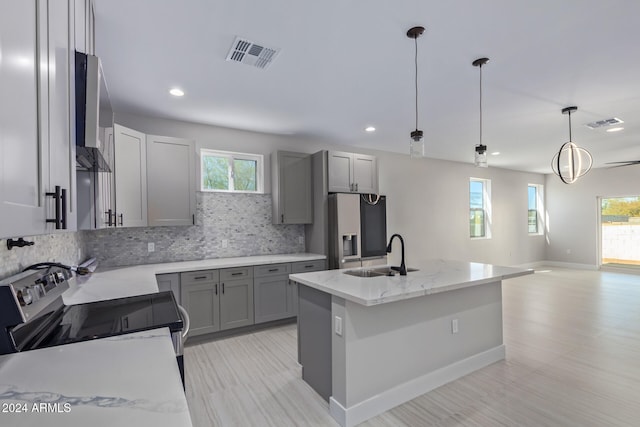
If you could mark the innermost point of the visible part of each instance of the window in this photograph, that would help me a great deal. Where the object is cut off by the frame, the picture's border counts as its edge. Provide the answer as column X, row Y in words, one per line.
column 231, row 172
column 479, row 208
column 534, row 197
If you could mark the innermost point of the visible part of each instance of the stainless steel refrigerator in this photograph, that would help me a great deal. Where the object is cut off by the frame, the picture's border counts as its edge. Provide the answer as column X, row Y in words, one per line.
column 357, row 230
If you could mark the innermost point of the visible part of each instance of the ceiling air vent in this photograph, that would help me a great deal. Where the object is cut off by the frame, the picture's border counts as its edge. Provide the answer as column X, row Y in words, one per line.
column 604, row 123
column 250, row 53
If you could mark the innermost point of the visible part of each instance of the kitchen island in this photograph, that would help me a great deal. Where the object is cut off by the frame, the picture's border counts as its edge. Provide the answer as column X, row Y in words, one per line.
column 368, row 344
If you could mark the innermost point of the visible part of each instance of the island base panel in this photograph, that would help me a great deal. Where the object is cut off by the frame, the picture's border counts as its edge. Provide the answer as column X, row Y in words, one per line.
column 314, row 334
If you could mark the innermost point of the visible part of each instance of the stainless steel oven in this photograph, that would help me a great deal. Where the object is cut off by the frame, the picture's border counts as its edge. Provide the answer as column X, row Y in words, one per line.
column 33, row 315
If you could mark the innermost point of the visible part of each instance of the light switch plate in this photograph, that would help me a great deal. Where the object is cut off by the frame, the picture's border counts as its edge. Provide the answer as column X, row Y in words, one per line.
column 338, row 325
column 225, row 243
column 151, row 247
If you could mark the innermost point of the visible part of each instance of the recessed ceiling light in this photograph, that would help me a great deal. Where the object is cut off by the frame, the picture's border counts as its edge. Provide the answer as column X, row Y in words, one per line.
column 615, row 129
column 176, row 92
column 370, row 129
column 495, row 153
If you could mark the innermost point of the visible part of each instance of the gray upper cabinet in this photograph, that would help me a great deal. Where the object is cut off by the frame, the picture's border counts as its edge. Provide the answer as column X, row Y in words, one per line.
column 171, row 195
column 130, row 177
column 291, row 188
column 352, row 173
column 21, row 206
column 38, row 152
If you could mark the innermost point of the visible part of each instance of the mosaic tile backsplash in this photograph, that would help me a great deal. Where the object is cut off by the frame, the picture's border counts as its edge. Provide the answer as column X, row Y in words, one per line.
column 244, row 220
column 66, row 248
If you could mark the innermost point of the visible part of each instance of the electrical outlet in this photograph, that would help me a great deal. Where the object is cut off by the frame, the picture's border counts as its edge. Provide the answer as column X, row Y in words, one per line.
column 225, row 243
column 338, row 325
column 454, row 326
column 301, row 240
column 151, row 247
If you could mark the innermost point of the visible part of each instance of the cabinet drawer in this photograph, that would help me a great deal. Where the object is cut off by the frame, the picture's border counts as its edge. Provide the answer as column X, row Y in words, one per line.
column 271, row 270
column 202, row 276
column 236, row 273
column 305, row 266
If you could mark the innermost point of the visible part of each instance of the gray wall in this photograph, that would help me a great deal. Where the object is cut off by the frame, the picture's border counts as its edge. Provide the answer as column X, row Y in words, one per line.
column 428, row 204
column 573, row 212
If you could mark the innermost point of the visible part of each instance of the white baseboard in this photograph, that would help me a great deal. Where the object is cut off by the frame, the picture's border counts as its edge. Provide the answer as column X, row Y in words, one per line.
column 574, row 265
column 375, row 405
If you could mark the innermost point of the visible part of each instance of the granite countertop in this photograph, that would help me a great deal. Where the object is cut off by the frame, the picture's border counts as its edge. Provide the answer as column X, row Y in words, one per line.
column 118, row 282
column 432, row 277
column 128, row 380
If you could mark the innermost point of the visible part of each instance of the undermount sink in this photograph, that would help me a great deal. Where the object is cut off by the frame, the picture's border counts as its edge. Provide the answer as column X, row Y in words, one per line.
column 376, row 272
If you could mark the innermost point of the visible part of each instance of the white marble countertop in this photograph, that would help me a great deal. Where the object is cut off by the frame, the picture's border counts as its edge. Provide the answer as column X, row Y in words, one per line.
column 128, row 380
column 432, row 277
column 120, row 282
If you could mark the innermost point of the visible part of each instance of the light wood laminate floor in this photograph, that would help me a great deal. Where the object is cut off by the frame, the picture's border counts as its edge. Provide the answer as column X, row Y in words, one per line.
column 573, row 359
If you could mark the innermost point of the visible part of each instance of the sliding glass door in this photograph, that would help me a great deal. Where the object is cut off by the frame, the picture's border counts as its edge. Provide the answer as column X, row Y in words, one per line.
column 620, row 231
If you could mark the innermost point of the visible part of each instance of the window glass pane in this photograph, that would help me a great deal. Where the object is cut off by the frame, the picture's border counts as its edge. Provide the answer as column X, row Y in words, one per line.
column 215, row 173
column 533, row 209
column 475, row 194
column 476, row 223
column 244, row 175
column 476, row 209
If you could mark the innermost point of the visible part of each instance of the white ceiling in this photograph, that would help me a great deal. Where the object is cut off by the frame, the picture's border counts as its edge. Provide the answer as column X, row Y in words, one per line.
column 347, row 64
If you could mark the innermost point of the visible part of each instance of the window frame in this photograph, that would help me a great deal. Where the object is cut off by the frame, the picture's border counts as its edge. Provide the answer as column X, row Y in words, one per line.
column 232, row 155
column 486, row 208
column 539, row 209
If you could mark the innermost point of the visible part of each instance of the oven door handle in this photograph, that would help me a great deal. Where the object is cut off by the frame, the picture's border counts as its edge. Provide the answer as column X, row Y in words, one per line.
column 187, row 321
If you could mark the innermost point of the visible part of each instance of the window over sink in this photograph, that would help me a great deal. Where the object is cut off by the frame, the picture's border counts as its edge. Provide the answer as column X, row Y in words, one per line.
column 231, row 172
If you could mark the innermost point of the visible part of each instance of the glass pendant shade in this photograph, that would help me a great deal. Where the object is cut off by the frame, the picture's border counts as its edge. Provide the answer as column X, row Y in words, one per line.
column 481, row 156
column 416, row 149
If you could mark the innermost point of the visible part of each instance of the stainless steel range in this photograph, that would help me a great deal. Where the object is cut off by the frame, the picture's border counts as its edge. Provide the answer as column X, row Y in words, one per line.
column 33, row 314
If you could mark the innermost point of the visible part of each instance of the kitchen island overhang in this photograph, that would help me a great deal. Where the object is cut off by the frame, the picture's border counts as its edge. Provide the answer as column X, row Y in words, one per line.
column 368, row 344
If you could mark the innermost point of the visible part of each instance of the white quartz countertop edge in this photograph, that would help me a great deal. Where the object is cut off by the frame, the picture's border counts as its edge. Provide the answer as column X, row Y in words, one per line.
column 118, row 282
column 370, row 291
column 130, row 379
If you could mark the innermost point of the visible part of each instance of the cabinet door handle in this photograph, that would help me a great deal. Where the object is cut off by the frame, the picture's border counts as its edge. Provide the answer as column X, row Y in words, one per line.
column 282, row 219
column 199, row 277
column 121, row 219
column 109, row 221
column 356, row 186
column 216, row 289
column 193, row 219
column 308, row 266
column 239, row 273
column 63, row 206
column 57, row 195
column 223, row 288
column 271, row 270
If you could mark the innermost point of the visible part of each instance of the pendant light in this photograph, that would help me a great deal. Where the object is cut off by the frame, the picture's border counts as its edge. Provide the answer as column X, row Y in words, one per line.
column 417, row 136
column 481, row 149
column 571, row 162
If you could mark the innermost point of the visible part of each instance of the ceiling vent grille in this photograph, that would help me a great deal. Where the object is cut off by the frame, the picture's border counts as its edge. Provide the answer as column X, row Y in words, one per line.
column 250, row 53
column 604, row 123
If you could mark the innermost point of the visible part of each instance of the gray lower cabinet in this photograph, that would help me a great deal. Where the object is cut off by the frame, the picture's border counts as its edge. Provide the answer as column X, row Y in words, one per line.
column 170, row 282
column 273, row 298
column 201, row 298
column 228, row 298
column 236, row 297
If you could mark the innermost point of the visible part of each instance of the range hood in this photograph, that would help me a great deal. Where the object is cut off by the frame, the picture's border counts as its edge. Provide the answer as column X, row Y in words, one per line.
column 93, row 115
